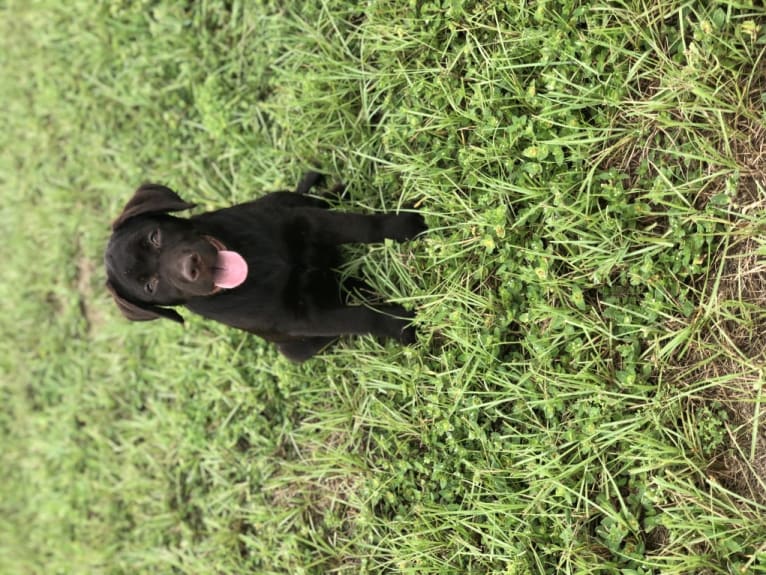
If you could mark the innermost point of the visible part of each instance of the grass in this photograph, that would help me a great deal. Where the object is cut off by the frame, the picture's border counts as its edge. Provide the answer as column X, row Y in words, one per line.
column 586, row 395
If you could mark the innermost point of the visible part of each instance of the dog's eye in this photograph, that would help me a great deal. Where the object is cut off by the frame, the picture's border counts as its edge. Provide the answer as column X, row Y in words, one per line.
column 155, row 238
column 151, row 285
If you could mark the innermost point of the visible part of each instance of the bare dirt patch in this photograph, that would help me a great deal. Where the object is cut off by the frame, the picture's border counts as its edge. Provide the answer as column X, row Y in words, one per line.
column 83, row 284
column 324, row 497
column 741, row 299
column 731, row 356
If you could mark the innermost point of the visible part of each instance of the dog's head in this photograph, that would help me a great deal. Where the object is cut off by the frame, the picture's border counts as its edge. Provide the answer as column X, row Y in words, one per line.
column 155, row 260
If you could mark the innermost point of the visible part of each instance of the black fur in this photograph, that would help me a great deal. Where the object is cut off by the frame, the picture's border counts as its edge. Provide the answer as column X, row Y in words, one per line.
column 292, row 295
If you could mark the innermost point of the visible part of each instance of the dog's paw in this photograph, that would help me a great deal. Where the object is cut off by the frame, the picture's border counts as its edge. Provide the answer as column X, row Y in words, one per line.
column 337, row 191
column 398, row 324
column 403, row 227
column 408, row 335
column 310, row 179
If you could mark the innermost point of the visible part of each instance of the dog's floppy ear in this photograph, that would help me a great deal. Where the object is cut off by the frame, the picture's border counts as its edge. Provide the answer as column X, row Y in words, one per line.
column 141, row 312
column 151, row 199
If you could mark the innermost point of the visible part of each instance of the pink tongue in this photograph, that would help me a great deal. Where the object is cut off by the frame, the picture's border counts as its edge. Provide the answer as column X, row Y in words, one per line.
column 231, row 270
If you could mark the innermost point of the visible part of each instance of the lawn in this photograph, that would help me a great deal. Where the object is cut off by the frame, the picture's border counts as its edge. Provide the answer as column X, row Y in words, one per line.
column 586, row 395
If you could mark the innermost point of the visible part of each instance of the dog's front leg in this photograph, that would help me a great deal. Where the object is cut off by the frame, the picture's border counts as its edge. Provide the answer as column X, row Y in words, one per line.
column 383, row 321
column 341, row 227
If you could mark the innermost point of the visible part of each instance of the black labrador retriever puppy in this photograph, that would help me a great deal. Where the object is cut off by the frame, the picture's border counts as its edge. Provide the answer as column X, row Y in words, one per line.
column 266, row 266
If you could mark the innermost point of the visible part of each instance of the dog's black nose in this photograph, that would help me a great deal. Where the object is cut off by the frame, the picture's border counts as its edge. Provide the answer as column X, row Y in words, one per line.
column 190, row 267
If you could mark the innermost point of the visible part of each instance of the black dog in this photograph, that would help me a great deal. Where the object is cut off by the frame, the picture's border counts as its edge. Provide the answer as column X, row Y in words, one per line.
column 266, row 266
